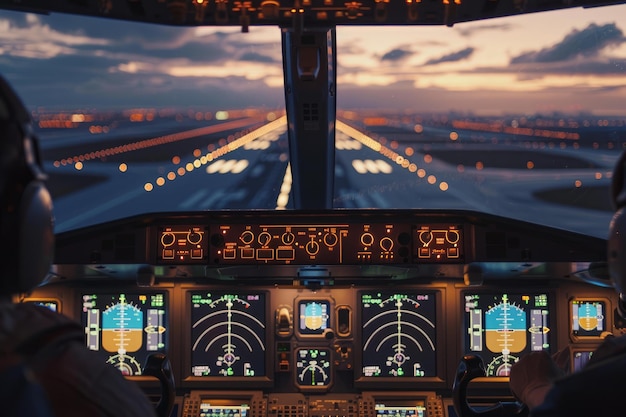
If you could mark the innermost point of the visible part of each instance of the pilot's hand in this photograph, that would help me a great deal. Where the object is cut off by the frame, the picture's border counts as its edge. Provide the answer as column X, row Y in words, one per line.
column 532, row 376
column 610, row 347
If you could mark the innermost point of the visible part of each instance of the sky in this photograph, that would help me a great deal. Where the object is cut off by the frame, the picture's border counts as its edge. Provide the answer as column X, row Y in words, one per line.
column 570, row 61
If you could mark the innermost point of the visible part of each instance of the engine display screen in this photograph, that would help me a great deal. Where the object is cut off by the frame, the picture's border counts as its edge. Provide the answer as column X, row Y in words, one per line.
column 502, row 327
column 228, row 334
column 128, row 326
column 399, row 337
column 588, row 318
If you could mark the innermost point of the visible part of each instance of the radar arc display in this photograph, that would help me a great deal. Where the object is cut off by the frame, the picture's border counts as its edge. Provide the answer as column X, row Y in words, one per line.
column 399, row 337
column 228, row 334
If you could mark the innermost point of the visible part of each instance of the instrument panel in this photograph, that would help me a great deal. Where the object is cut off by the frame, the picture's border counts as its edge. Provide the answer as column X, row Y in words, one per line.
column 288, row 13
column 346, row 347
column 312, row 314
column 387, row 238
column 237, row 244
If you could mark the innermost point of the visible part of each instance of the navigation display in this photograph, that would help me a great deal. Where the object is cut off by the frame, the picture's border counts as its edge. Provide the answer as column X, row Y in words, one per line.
column 228, row 334
column 127, row 326
column 399, row 337
column 502, row 327
column 588, row 318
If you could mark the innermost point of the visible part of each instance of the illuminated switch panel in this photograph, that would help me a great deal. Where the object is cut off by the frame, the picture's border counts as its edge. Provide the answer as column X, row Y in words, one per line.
column 302, row 244
column 439, row 243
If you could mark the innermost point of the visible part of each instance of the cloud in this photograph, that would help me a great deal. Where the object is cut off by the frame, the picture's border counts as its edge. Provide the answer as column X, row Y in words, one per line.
column 395, row 55
column 587, row 42
column 118, row 63
column 471, row 30
column 453, row 57
column 434, row 99
column 257, row 57
column 597, row 66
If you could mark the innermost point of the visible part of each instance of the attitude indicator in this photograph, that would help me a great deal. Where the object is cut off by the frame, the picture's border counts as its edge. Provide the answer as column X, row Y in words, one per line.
column 128, row 326
column 504, row 326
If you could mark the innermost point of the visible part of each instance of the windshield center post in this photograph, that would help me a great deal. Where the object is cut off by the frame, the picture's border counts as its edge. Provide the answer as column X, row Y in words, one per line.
column 309, row 64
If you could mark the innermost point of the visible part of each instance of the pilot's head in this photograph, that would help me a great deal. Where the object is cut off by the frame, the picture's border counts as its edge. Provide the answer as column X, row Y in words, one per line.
column 26, row 221
column 617, row 234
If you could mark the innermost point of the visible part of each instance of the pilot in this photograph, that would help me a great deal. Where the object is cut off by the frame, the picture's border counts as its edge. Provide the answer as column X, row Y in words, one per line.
column 599, row 389
column 45, row 367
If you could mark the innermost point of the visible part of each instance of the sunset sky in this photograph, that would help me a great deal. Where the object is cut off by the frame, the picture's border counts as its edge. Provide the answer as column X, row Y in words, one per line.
column 572, row 60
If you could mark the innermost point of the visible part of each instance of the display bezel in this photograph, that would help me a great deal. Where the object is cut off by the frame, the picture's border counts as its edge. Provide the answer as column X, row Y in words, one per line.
column 438, row 380
column 399, row 399
column 586, row 351
column 608, row 319
column 193, row 401
column 492, row 293
column 313, row 388
column 330, row 320
column 42, row 301
column 218, row 381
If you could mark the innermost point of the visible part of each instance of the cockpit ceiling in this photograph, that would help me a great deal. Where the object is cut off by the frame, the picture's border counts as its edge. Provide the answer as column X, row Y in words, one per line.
column 305, row 13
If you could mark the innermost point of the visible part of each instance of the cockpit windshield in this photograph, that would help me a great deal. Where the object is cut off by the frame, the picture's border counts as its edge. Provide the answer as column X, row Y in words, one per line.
column 494, row 116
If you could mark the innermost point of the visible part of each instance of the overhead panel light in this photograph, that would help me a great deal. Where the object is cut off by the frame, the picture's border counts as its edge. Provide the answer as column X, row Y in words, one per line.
column 412, row 12
column 380, row 12
column 178, row 10
column 200, row 6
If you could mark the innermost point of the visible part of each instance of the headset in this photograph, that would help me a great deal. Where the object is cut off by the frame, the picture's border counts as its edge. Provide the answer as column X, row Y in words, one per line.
column 26, row 215
column 617, row 234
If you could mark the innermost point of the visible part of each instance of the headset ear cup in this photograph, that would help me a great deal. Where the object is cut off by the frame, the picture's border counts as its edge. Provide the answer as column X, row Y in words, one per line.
column 36, row 235
column 617, row 250
column 618, row 189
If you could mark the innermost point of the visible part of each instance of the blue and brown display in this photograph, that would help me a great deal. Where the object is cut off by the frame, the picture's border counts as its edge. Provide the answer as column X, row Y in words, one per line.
column 589, row 318
column 228, row 332
column 502, row 327
column 313, row 317
column 127, row 326
column 399, row 336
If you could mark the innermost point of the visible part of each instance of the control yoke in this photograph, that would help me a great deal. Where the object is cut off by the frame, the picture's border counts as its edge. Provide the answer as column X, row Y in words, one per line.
column 470, row 367
column 159, row 366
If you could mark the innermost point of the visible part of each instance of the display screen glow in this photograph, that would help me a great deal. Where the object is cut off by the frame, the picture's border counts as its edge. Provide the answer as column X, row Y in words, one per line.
column 228, row 334
column 127, row 326
column 399, row 336
column 504, row 326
